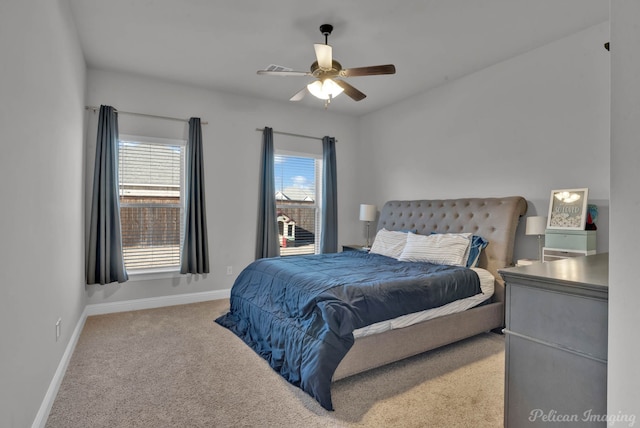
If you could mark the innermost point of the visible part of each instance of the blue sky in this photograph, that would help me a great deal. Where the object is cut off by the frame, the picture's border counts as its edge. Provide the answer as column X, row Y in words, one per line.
column 295, row 172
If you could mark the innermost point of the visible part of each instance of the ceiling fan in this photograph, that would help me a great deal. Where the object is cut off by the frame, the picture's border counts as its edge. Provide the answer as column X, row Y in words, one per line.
column 329, row 73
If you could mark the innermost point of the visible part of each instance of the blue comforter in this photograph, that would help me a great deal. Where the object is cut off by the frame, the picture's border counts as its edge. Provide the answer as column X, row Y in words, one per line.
column 299, row 312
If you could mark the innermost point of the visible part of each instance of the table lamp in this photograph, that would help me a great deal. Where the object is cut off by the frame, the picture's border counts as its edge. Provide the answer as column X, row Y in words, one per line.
column 536, row 225
column 368, row 214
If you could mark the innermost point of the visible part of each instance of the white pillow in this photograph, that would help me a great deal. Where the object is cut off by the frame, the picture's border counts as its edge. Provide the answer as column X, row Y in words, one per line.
column 389, row 243
column 468, row 236
column 445, row 249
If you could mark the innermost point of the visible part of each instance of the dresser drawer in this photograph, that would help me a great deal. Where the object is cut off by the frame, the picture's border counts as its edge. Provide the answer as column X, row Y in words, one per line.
column 546, row 377
column 551, row 254
column 584, row 240
column 574, row 322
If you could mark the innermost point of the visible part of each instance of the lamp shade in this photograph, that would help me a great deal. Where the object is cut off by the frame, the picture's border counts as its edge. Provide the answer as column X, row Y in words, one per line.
column 367, row 212
column 536, row 225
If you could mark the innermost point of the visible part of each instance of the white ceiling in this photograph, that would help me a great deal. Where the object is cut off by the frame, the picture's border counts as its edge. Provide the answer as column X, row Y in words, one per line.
column 221, row 44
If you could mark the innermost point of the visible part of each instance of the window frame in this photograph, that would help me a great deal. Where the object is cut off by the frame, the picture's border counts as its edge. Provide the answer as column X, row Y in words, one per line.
column 162, row 271
column 318, row 202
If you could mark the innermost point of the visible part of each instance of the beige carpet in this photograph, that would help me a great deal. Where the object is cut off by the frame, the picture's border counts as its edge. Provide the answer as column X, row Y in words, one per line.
column 175, row 367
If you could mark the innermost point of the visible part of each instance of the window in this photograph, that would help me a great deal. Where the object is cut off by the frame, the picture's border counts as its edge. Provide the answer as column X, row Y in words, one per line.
column 298, row 203
column 151, row 186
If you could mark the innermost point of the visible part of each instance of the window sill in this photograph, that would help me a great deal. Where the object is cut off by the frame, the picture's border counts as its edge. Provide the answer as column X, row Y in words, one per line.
column 150, row 274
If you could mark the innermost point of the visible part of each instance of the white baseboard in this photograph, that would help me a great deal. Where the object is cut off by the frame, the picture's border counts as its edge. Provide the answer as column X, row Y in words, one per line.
column 155, row 302
column 43, row 413
column 107, row 308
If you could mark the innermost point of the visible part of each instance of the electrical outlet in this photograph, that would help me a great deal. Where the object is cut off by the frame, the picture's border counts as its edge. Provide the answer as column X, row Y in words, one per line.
column 229, row 270
column 58, row 328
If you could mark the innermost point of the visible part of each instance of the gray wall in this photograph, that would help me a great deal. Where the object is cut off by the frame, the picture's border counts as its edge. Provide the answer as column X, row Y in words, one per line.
column 525, row 126
column 41, row 185
column 623, row 396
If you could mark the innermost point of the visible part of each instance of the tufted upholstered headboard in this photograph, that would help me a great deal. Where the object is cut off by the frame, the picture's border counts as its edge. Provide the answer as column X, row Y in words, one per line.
column 495, row 219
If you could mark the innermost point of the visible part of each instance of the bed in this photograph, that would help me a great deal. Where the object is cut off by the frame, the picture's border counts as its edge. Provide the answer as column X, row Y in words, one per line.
column 300, row 313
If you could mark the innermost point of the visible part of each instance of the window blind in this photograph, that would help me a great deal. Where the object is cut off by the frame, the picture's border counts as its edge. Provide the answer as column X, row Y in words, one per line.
column 151, row 183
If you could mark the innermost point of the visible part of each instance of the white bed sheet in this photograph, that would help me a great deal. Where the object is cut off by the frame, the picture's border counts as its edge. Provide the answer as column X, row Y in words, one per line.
column 487, row 282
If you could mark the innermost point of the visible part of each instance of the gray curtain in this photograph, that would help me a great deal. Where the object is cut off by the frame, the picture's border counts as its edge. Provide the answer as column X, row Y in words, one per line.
column 195, row 249
column 267, row 244
column 329, row 238
column 105, row 263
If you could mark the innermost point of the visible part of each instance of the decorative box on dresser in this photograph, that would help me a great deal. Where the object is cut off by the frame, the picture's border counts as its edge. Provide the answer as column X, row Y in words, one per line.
column 561, row 244
column 556, row 343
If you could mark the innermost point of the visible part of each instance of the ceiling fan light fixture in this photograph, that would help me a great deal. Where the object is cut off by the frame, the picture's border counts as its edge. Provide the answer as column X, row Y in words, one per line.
column 325, row 89
column 325, row 69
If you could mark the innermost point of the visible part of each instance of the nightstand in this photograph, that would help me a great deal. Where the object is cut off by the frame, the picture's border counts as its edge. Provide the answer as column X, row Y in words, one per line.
column 355, row 247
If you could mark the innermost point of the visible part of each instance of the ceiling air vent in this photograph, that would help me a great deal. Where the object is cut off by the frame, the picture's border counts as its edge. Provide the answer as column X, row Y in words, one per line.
column 274, row 67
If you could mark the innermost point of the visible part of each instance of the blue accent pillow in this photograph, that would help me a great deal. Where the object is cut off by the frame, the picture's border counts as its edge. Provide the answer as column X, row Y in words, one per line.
column 478, row 243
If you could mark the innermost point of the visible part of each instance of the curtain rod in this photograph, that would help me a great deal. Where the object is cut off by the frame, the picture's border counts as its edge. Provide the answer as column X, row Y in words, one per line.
column 294, row 135
column 95, row 109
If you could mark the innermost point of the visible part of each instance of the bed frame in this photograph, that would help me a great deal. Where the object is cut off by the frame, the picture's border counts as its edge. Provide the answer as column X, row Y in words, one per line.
column 495, row 219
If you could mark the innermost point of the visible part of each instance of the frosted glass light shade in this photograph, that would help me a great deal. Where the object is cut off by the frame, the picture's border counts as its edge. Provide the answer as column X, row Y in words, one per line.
column 536, row 225
column 367, row 212
column 324, row 89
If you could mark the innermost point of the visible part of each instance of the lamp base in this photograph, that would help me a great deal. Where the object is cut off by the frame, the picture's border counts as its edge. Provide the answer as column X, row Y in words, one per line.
column 540, row 248
column 368, row 246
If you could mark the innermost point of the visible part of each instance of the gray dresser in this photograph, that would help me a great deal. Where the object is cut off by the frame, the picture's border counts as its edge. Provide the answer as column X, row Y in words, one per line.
column 556, row 343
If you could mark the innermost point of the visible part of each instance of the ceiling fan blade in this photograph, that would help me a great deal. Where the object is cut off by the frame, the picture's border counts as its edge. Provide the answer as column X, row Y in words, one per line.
column 283, row 73
column 299, row 95
column 368, row 71
column 324, row 55
column 355, row 94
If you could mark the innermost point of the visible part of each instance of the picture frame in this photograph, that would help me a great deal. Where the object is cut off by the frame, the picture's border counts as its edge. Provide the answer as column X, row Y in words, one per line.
column 568, row 209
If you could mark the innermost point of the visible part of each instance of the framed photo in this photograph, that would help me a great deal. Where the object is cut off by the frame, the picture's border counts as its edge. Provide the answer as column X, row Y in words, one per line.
column 568, row 209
